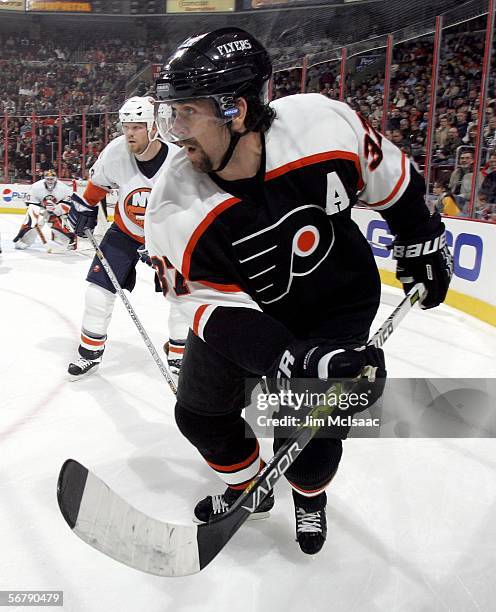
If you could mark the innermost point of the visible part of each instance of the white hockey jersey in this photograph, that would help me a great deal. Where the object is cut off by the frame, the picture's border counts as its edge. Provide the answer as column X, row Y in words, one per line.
column 39, row 192
column 116, row 168
column 293, row 248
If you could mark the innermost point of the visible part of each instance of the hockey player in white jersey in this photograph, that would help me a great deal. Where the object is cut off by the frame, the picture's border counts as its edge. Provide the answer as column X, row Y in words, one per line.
column 263, row 257
column 130, row 164
column 49, row 201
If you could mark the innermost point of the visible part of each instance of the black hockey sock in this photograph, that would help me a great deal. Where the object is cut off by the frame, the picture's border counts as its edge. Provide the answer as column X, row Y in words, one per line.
column 316, row 465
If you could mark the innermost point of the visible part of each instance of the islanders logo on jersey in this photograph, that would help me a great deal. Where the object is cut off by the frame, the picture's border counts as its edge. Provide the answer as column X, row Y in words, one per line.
column 294, row 246
column 135, row 205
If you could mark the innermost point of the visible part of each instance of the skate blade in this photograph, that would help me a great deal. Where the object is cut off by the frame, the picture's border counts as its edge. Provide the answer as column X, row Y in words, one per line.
column 256, row 516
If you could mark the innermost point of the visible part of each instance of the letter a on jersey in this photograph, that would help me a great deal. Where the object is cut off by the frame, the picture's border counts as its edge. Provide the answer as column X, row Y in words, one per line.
column 294, row 246
column 337, row 199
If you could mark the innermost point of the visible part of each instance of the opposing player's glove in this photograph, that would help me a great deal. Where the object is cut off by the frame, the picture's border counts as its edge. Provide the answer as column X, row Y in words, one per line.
column 56, row 208
column 144, row 256
column 82, row 216
column 426, row 259
column 326, row 360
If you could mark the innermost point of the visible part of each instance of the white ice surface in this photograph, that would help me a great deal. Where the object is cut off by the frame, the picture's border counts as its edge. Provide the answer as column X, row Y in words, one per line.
column 412, row 523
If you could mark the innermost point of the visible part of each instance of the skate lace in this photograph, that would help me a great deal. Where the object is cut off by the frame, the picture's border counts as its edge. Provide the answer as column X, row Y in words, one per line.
column 83, row 363
column 308, row 522
column 174, row 365
column 219, row 506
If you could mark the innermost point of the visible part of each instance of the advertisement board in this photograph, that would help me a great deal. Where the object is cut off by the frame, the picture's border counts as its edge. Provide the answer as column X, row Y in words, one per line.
column 12, row 5
column 200, row 6
column 14, row 195
column 260, row 3
column 58, row 6
column 473, row 245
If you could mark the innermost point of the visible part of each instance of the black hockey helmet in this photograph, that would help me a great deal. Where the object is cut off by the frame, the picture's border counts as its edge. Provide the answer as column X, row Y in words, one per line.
column 225, row 61
column 222, row 65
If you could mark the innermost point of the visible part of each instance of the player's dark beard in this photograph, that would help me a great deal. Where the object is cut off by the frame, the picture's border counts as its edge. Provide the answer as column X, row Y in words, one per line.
column 204, row 163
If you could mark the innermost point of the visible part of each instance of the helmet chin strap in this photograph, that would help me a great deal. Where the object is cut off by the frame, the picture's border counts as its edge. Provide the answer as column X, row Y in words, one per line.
column 151, row 139
column 235, row 138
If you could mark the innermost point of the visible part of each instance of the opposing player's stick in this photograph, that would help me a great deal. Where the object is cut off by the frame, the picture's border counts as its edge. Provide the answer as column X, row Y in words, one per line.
column 146, row 338
column 107, row 522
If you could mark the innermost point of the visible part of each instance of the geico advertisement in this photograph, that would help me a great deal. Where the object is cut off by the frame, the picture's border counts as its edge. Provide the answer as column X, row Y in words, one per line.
column 472, row 243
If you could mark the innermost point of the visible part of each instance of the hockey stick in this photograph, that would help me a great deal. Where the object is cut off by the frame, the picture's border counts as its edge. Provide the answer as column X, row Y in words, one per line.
column 105, row 521
column 41, row 235
column 146, row 338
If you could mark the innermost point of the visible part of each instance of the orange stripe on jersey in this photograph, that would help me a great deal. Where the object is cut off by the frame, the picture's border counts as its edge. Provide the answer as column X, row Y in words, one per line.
column 235, row 467
column 315, row 159
column 94, row 194
column 396, row 187
column 200, row 230
column 120, row 224
column 198, row 316
column 92, row 342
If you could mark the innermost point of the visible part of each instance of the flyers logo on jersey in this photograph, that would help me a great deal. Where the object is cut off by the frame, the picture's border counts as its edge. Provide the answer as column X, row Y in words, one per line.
column 135, row 205
column 294, row 246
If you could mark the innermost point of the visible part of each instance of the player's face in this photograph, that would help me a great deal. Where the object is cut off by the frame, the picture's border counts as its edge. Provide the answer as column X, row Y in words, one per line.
column 136, row 136
column 196, row 126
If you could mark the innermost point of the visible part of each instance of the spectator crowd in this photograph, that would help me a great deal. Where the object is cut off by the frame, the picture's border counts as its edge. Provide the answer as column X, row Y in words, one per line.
column 457, row 109
column 44, row 78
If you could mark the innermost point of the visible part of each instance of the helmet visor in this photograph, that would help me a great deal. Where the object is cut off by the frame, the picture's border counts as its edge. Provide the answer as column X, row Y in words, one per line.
column 181, row 120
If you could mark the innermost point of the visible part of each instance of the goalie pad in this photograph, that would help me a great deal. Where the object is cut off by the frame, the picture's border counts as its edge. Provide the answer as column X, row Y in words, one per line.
column 31, row 224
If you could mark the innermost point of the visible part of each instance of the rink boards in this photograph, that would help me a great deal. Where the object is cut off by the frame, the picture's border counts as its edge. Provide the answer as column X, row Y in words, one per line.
column 473, row 244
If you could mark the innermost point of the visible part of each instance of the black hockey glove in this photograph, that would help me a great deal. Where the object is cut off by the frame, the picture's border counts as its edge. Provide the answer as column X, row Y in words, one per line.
column 144, row 256
column 329, row 361
column 426, row 259
column 82, row 216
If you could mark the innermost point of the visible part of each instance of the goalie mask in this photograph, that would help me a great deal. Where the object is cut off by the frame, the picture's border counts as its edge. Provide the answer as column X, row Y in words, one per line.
column 50, row 180
column 219, row 66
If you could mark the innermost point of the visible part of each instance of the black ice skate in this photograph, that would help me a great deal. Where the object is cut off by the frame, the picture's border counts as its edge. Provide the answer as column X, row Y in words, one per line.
column 86, row 364
column 311, row 524
column 173, row 360
column 214, row 506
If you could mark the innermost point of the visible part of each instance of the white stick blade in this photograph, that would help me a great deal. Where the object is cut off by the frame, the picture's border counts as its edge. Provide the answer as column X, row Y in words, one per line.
column 108, row 523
